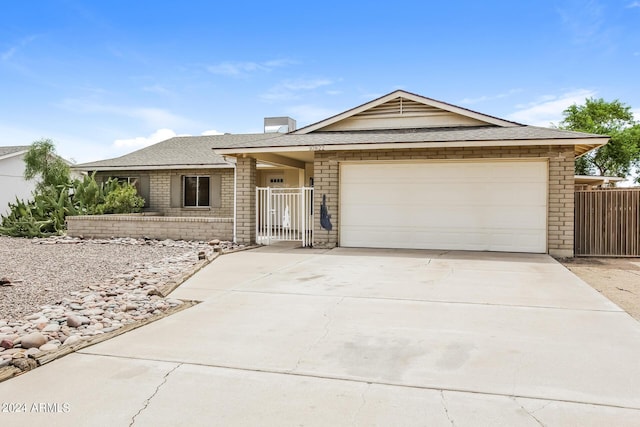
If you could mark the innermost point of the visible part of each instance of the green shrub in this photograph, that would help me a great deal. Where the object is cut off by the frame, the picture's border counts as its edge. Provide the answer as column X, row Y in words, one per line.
column 57, row 197
column 122, row 199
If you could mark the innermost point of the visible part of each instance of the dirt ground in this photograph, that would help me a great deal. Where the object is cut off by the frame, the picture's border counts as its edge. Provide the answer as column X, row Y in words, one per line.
column 616, row 278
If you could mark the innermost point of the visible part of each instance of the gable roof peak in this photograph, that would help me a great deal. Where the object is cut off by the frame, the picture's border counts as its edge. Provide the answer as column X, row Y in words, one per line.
column 412, row 108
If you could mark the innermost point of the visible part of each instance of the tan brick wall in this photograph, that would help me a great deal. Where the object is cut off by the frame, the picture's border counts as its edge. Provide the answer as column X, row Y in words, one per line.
column 160, row 192
column 154, row 227
column 560, row 194
column 246, row 200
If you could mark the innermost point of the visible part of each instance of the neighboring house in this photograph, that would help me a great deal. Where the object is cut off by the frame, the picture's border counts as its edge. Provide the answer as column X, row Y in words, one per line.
column 12, row 182
column 401, row 171
column 589, row 182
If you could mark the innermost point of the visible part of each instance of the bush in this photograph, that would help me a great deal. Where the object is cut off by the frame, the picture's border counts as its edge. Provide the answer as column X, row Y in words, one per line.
column 123, row 199
column 42, row 216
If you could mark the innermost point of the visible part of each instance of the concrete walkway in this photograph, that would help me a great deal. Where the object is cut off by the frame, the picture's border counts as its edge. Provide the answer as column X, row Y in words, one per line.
column 358, row 337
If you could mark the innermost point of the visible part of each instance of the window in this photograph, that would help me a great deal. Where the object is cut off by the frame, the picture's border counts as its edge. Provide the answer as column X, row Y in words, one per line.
column 129, row 180
column 196, row 191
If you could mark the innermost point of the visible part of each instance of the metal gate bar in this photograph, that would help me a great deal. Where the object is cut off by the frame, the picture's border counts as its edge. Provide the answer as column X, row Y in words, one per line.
column 284, row 214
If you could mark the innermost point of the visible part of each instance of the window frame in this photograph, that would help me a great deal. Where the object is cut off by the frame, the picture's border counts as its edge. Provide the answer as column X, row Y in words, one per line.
column 197, row 191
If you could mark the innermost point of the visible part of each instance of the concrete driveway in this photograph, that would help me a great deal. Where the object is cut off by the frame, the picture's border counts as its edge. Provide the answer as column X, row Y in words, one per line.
column 358, row 337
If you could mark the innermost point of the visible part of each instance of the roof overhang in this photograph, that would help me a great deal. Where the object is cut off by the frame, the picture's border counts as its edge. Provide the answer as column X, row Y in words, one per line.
column 147, row 167
column 592, row 179
column 14, row 154
column 581, row 147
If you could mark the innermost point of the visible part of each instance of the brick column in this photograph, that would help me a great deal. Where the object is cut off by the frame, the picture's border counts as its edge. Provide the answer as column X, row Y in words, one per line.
column 325, row 171
column 246, row 200
column 561, row 201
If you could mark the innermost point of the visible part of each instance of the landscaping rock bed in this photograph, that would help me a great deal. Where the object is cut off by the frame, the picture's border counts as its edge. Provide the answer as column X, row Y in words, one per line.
column 57, row 292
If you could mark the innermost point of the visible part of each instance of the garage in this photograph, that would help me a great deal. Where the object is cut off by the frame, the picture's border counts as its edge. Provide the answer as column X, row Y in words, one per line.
column 492, row 205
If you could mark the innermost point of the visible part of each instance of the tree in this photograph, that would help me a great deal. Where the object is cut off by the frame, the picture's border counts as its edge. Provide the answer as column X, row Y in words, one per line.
column 42, row 163
column 622, row 153
column 57, row 196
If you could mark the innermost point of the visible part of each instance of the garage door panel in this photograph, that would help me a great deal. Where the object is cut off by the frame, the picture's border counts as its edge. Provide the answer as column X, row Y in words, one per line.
column 467, row 217
column 497, row 206
column 495, row 240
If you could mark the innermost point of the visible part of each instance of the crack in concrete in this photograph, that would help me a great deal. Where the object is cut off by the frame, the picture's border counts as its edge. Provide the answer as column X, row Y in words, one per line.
column 530, row 413
column 326, row 314
column 542, row 407
column 446, row 410
column 516, row 374
column 148, row 401
column 364, row 402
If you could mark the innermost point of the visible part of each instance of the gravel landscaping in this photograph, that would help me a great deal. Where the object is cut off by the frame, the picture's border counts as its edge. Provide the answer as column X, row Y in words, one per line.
column 43, row 271
column 61, row 293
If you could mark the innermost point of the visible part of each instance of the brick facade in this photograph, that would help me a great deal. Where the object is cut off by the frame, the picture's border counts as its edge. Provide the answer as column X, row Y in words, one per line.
column 159, row 198
column 246, row 200
column 153, row 227
column 560, row 192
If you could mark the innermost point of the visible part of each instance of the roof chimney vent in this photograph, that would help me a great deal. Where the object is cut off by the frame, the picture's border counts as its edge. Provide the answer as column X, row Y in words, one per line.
column 279, row 125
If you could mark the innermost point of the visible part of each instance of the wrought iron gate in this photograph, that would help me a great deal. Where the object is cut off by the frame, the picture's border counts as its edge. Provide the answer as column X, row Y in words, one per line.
column 284, row 214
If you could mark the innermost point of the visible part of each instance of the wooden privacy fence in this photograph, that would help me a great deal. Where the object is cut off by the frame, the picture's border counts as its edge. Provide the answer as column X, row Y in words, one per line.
column 607, row 222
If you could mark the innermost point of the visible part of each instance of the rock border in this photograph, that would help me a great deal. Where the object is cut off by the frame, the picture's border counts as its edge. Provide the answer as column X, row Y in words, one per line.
column 32, row 361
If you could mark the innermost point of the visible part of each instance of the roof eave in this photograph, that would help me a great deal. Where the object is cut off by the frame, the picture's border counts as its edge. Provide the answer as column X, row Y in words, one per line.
column 592, row 144
column 14, row 154
column 150, row 167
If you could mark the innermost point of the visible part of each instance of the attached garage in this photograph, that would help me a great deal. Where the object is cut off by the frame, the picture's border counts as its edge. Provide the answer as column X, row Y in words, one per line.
column 407, row 171
column 492, row 205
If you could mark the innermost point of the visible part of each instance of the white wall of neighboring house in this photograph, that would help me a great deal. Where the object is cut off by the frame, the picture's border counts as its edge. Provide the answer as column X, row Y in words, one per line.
column 12, row 182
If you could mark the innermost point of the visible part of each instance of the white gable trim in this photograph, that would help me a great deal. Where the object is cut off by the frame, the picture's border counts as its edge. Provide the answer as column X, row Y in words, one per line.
column 14, row 154
column 413, row 97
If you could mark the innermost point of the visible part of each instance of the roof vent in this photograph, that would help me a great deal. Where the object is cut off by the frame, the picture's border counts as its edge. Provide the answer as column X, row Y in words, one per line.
column 279, row 125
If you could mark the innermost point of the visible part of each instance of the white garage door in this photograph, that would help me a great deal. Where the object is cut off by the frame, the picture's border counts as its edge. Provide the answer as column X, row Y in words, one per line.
column 466, row 205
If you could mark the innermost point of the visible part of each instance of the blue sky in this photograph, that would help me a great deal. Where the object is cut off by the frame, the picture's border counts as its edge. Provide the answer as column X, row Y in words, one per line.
column 105, row 78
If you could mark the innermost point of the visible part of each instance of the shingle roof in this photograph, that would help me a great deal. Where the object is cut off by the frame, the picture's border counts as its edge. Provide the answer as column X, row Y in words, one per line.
column 187, row 151
column 194, row 151
column 5, row 151
column 480, row 133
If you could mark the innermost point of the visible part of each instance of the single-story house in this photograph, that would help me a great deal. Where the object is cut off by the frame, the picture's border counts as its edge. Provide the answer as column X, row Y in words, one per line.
column 12, row 182
column 400, row 171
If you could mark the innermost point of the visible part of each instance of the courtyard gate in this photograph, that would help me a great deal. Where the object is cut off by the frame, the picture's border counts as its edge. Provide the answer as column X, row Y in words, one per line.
column 284, row 214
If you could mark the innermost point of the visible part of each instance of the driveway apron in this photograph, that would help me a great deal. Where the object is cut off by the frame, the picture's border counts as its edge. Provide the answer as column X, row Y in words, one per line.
column 287, row 336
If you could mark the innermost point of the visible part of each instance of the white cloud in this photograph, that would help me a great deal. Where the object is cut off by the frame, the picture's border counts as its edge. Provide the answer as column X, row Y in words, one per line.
column 634, row 4
column 152, row 117
column 307, row 114
column 141, row 141
column 212, row 132
column 277, row 63
column 584, row 21
column 636, row 113
column 7, row 54
column 548, row 108
column 289, row 89
column 489, row 97
column 157, row 117
column 157, row 89
column 238, row 69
